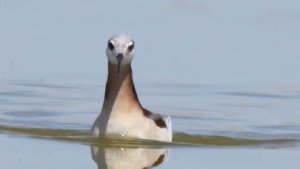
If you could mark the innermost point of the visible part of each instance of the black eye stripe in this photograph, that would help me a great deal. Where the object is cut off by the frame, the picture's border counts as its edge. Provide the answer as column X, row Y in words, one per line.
column 110, row 46
column 130, row 47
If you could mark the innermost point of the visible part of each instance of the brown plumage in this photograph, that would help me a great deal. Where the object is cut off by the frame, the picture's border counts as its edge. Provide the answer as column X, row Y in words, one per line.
column 122, row 114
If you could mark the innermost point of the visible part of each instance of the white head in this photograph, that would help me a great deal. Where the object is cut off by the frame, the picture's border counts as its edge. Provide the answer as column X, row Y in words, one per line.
column 120, row 50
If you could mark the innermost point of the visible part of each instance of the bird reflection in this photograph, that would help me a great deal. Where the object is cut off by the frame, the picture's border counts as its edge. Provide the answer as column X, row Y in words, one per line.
column 125, row 158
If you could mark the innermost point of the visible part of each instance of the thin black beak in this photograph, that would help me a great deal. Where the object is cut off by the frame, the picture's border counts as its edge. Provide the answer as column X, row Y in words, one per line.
column 119, row 59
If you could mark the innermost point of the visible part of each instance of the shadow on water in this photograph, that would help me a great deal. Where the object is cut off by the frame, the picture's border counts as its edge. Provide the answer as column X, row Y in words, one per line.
column 121, row 153
column 106, row 152
column 179, row 139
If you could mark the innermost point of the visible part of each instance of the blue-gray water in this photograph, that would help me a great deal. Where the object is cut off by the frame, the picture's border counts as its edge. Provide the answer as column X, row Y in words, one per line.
column 226, row 71
column 214, row 125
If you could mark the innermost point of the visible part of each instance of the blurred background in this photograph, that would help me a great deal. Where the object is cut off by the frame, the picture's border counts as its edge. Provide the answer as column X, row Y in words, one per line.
column 193, row 41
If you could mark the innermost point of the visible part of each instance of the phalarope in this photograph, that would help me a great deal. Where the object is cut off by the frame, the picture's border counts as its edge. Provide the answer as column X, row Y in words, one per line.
column 122, row 114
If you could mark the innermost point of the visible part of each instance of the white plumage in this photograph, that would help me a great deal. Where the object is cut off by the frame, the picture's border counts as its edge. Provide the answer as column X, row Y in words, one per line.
column 122, row 114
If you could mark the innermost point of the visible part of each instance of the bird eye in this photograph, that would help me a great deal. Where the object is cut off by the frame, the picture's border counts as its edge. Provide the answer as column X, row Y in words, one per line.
column 110, row 46
column 130, row 47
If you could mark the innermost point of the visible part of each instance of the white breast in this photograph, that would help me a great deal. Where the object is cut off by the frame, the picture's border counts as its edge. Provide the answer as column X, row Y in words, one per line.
column 134, row 125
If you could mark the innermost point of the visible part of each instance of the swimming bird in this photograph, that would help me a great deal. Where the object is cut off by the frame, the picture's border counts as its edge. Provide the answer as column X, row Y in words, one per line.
column 122, row 114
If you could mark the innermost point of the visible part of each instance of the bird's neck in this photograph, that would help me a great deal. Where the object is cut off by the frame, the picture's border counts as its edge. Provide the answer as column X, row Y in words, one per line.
column 120, row 94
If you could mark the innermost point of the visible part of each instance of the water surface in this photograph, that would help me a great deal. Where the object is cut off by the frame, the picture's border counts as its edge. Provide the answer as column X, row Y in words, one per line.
column 215, row 124
column 226, row 72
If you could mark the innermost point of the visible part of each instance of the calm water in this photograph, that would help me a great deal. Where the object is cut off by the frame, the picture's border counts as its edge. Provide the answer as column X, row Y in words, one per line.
column 45, row 123
column 53, row 68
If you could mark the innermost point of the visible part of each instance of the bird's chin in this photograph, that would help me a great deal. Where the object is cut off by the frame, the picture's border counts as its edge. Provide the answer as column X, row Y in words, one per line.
column 119, row 64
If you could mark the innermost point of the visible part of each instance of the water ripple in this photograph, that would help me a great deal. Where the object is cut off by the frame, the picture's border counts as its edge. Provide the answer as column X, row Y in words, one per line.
column 180, row 139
